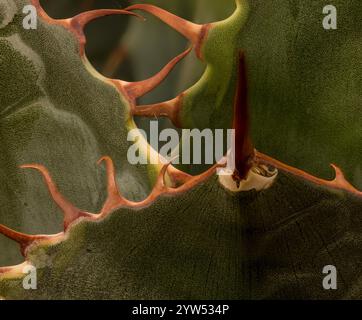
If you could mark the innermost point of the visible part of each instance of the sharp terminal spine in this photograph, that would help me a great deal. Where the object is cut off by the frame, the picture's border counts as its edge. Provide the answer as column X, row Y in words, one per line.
column 244, row 150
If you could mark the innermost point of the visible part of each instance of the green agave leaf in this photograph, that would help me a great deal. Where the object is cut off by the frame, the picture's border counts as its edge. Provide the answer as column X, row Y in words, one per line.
column 53, row 112
column 272, row 244
column 204, row 242
column 304, row 82
column 102, row 34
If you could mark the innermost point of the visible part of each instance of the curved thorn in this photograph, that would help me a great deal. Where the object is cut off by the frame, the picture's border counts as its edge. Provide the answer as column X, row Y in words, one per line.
column 340, row 179
column 178, row 177
column 169, row 109
column 140, row 88
column 114, row 198
column 338, row 183
column 112, row 187
column 19, row 237
column 41, row 12
column 189, row 183
column 193, row 181
column 188, row 29
column 338, row 172
column 244, row 150
column 24, row 240
column 71, row 213
column 160, row 182
column 79, row 21
column 158, row 190
column 117, row 201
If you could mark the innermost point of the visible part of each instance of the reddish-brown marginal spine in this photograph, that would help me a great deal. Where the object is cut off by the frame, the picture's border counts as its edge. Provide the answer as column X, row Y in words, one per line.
column 170, row 109
column 188, row 29
column 24, row 240
column 116, row 201
column 134, row 90
column 114, row 198
column 195, row 33
column 41, row 12
column 77, row 24
column 339, row 182
column 244, row 153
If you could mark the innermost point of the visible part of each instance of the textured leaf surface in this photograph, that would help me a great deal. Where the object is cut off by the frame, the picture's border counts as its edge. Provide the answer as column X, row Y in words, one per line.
column 305, row 82
column 207, row 242
column 272, row 244
column 55, row 113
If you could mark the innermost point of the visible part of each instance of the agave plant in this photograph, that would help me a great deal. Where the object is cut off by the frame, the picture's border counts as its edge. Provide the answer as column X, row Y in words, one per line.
column 121, row 231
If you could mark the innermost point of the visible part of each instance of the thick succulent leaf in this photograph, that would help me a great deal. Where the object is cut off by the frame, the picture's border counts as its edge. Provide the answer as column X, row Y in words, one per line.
column 55, row 113
column 103, row 35
column 304, row 82
column 148, row 51
column 272, row 244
